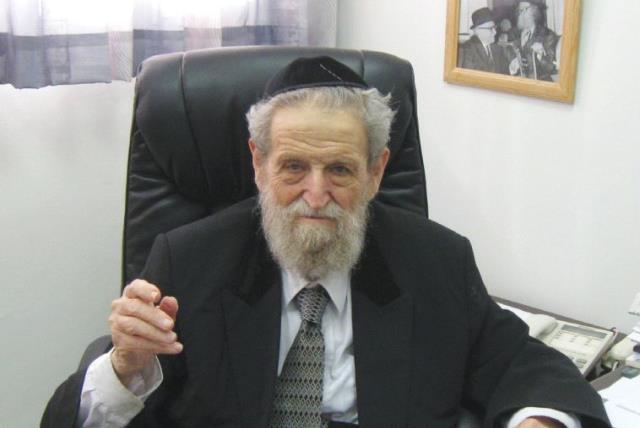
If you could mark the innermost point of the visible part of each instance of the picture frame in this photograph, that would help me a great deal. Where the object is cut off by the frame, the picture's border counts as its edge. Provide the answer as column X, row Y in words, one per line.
column 538, row 76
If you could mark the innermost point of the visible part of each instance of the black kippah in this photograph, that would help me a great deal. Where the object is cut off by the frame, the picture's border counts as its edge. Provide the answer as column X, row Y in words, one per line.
column 312, row 73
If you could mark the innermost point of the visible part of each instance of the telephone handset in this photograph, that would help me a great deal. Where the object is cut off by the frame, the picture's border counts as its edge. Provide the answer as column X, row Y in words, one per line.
column 584, row 345
column 621, row 352
column 540, row 324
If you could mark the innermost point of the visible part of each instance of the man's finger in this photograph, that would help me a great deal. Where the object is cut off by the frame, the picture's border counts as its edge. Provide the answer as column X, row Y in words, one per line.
column 145, row 312
column 169, row 305
column 143, row 290
column 132, row 326
column 140, row 344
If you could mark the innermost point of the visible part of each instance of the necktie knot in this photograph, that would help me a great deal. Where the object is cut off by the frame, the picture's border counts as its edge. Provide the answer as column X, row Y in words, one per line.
column 311, row 302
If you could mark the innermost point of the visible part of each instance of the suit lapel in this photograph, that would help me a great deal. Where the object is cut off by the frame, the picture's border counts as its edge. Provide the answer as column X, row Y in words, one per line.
column 252, row 321
column 382, row 331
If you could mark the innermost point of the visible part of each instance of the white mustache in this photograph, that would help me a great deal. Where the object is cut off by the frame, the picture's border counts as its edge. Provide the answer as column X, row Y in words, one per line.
column 300, row 208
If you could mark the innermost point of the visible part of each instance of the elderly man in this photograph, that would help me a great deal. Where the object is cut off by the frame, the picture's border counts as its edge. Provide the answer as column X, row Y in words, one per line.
column 480, row 52
column 316, row 306
column 536, row 44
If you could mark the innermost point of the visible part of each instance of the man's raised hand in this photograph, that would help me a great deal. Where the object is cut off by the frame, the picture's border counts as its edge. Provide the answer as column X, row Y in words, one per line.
column 141, row 324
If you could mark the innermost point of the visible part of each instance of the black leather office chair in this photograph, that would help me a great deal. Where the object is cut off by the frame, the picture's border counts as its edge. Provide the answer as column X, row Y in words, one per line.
column 189, row 156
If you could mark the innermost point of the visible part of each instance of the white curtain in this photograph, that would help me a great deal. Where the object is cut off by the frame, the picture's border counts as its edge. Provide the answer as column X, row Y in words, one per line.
column 54, row 42
column 555, row 15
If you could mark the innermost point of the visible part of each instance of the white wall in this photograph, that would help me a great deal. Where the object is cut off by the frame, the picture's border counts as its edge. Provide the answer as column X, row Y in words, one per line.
column 62, row 166
column 549, row 194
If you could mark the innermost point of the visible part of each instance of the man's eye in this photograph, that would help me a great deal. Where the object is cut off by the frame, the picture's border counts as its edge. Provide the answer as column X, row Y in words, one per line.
column 340, row 170
column 293, row 166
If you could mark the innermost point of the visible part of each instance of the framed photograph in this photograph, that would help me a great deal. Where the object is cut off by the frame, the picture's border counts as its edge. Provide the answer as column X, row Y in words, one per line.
column 523, row 47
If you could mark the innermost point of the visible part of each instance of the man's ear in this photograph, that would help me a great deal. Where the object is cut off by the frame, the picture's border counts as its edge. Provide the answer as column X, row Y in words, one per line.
column 377, row 171
column 257, row 160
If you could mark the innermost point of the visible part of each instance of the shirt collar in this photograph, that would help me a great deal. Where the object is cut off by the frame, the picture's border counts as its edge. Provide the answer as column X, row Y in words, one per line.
column 336, row 284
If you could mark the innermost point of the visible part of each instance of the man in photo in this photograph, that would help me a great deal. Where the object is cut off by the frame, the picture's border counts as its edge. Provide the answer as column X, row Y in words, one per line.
column 506, row 32
column 480, row 52
column 535, row 46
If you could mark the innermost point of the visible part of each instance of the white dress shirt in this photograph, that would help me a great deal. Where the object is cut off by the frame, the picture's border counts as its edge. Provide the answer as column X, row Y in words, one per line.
column 339, row 386
column 105, row 402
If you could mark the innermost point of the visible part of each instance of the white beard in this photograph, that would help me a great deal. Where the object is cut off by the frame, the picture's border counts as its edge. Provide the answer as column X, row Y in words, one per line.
column 313, row 250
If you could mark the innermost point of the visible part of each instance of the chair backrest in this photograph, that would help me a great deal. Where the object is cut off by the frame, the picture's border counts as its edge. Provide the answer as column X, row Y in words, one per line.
column 189, row 156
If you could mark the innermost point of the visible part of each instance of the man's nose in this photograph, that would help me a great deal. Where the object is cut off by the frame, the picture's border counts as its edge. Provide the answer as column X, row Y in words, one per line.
column 317, row 190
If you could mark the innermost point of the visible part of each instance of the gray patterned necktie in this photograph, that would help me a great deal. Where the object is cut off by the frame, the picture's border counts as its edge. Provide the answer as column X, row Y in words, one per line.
column 298, row 398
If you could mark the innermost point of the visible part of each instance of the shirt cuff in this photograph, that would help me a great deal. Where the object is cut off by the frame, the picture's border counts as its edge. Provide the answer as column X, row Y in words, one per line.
column 145, row 382
column 569, row 420
column 123, row 403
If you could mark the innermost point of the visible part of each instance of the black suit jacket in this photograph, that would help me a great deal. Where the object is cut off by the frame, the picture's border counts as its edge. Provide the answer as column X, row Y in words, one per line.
column 427, row 337
column 472, row 55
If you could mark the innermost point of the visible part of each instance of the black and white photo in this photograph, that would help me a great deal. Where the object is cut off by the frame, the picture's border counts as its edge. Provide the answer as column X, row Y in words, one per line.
column 519, row 39
column 515, row 37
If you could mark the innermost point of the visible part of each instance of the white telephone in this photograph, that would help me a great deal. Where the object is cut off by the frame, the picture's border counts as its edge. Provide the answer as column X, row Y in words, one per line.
column 584, row 345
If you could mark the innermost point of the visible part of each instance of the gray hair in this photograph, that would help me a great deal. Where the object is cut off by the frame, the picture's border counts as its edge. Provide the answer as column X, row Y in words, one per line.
column 369, row 104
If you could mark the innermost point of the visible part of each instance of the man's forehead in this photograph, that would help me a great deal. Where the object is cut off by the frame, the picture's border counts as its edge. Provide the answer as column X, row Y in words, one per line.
column 309, row 114
column 318, row 130
column 288, row 150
